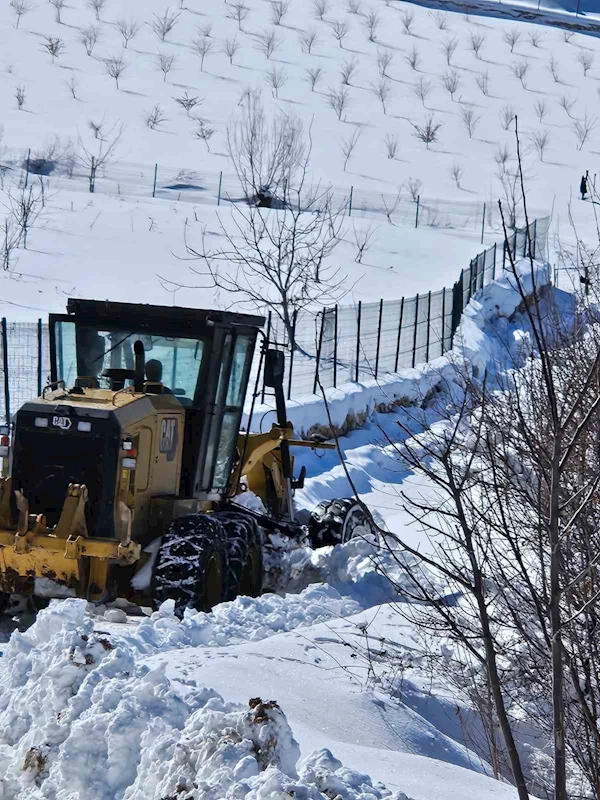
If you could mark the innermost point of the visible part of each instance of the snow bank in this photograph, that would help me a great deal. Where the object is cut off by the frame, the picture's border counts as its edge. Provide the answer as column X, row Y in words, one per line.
column 476, row 340
column 81, row 720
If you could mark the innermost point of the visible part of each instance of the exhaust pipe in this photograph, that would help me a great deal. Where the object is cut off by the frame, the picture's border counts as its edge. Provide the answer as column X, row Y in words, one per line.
column 139, row 366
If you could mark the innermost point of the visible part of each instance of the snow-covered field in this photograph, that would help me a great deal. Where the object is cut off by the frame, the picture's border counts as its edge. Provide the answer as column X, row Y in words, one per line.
column 119, row 246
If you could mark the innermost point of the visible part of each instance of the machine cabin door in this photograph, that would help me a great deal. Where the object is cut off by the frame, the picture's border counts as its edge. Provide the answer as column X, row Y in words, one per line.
column 63, row 354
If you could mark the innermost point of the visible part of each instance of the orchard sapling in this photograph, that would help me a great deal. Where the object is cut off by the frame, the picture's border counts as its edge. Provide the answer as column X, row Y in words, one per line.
column 230, row 48
column 155, row 118
column 20, row 8
column 163, row 26
column 54, row 46
column 340, row 31
column 89, row 37
column 308, row 39
column 204, row 132
column 115, row 66
column 382, row 91
column 348, row 146
column 203, row 47
column 188, row 103
column 391, row 145
column 128, row 30
column 428, row 131
column 450, row 81
column 20, row 97
column 511, row 37
column 449, row 46
column 96, row 6
column 313, row 77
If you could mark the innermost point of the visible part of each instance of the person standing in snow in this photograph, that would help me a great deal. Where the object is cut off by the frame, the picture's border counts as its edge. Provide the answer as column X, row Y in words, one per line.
column 583, row 187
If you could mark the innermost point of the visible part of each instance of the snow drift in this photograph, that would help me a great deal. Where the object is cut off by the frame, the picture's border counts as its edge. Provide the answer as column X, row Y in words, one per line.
column 81, row 720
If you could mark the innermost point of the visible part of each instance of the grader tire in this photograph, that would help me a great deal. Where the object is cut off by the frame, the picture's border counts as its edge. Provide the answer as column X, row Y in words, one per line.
column 244, row 554
column 191, row 564
column 338, row 521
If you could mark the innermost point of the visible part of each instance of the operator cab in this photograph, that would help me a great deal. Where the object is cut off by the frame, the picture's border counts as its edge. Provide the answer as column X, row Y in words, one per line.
column 119, row 370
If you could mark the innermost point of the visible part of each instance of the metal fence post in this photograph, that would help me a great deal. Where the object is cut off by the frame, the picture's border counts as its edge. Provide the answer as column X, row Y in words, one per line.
column 93, row 175
column 350, row 201
column 399, row 335
column 417, row 214
column 220, row 184
column 319, row 346
column 483, row 223
column 443, row 319
column 414, row 351
column 358, row 339
column 378, row 337
column 267, row 341
column 292, row 350
column 39, row 349
column 335, row 347
column 504, row 255
column 155, row 176
column 534, row 238
column 5, row 369
column 428, row 326
column 494, row 266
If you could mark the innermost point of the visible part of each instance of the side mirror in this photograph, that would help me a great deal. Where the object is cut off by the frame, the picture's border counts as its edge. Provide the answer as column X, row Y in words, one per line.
column 274, row 368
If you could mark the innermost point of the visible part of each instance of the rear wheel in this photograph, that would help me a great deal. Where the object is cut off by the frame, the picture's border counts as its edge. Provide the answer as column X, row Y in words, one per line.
column 244, row 554
column 191, row 564
column 338, row 521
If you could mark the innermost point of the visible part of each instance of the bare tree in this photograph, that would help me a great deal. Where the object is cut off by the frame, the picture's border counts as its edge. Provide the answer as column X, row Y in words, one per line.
column 340, row 31
column 385, row 56
column 25, row 204
column 511, row 37
column 96, row 6
column 203, row 47
column 476, row 41
column 71, row 85
column 347, row 70
column 238, row 11
column 279, row 9
column 205, row 30
column 469, row 119
column 20, row 96
column 567, row 104
column 313, row 77
column 456, row 173
column 265, row 155
column 415, row 187
column 413, row 58
column 450, row 80
column 276, row 78
column 449, row 46
column 364, row 238
column 535, row 38
column 54, row 46
column 154, row 118
column 95, row 159
column 9, row 241
column 348, row 145
column 97, row 128
column 128, row 30
column 553, row 67
column 390, row 208
column 582, row 129
column 586, row 59
column 115, row 66
column 267, row 42
column 422, row 90
column 540, row 141
column 230, row 48
column 520, row 70
column 308, row 39
column 205, row 132
column 58, row 7
column 568, row 35
column 165, row 64
column 382, row 91
column 338, row 99
column 280, row 260
column 20, row 8
column 371, row 22
column 89, row 37
column 320, row 8
column 408, row 17
column 440, row 18
column 502, row 155
column 354, row 6
column 188, row 103
column 163, row 26
column 482, row 80
column 428, row 131
column 391, row 145
column 541, row 109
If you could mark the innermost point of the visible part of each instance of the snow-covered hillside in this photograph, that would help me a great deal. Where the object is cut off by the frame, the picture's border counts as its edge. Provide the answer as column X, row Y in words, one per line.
column 118, row 246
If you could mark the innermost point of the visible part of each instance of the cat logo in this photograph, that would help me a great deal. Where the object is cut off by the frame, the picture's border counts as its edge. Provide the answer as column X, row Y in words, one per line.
column 64, row 423
column 168, row 437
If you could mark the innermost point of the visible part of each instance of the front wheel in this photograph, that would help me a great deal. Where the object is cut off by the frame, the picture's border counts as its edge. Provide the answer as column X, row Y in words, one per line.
column 191, row 564
column 339, row 521
column 244, row 554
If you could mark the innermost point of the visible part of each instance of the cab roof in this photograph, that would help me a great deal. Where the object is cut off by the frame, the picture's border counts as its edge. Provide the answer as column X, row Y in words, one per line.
column 141, row 316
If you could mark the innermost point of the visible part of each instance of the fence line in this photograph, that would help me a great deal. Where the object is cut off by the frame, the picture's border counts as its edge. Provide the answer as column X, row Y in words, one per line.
column 337, row 345
column 408, row 207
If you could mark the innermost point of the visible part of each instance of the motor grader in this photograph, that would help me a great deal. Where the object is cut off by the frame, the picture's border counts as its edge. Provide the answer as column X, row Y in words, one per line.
column 130, row 476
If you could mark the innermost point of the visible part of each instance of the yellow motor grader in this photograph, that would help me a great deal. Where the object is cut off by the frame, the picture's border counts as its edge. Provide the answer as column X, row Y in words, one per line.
column 128, row 476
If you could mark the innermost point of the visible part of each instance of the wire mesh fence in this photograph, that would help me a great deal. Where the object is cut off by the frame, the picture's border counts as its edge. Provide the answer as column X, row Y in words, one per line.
column 68, row 170
column 333, row 346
